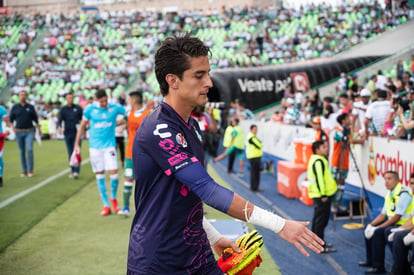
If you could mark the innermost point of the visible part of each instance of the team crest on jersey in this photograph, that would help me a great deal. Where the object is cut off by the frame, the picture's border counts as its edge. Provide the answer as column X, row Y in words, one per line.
column 110, row 109
column 198, row 135
column 181, row 140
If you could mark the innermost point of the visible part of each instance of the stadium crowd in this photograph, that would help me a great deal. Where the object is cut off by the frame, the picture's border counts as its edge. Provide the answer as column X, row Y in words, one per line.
column 81, row 52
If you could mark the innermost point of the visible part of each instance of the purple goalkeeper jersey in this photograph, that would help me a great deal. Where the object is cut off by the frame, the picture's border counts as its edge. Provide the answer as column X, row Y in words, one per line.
column 167, row 235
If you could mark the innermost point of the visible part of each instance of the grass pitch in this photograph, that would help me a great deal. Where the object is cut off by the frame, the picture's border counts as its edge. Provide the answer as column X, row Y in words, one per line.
column 57, row 228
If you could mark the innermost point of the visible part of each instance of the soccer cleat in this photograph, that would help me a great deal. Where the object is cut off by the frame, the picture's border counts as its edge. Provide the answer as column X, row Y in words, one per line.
column 75, row 175
column 124, row 212
column 106, row 211
column 30, row 174
column 114, row 203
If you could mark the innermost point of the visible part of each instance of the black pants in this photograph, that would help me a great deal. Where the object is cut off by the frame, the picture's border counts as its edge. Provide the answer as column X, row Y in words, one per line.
column 255, row 173
column 230, row 164
column 401, row 265
column 321, row 213
column 120, row 143
column 375, row 247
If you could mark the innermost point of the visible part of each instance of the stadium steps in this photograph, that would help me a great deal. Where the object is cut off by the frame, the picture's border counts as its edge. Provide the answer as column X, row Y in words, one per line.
column 6, row 91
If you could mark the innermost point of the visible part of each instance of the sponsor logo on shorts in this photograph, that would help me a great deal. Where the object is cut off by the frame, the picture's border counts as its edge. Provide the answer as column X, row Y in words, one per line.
column 177, row 158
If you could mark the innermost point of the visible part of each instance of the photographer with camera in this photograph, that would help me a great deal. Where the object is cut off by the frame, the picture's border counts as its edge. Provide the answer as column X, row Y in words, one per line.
column 340, row 157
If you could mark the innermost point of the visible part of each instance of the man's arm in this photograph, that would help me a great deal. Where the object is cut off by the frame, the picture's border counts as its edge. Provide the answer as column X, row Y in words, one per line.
column 36, row 121
column 196, row 178
column 217, row 241
column 59, row 122
column 293, row 232
column 366, row 124
column 379, row 220
column 79, row 134
column 391, row 221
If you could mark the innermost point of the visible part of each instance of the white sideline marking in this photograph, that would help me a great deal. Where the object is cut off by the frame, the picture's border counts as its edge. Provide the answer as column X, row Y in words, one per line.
column 35, row 187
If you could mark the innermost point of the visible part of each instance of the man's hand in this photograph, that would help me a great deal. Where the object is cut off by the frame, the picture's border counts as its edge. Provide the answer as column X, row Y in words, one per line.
column 76, row 148
column 391, row 236
column 297, row 234
column 369, row 231
column 224, row 243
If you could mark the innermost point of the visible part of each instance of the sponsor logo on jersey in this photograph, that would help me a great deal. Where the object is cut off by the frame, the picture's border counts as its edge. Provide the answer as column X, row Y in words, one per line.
column 181, row 165
column 166, row 144
column 174, row 160
column 103, row 124
column 181, row 140
column 159, row 127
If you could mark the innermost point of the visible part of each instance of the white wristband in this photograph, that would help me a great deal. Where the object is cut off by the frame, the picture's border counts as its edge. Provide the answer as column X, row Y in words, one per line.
column 266, row 219
column 212, row 234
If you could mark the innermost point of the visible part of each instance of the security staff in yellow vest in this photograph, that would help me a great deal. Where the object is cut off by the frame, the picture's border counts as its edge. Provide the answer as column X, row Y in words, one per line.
column 322, row 188
column 254, row 155
column 236, row 147
column 44, row 127
column 402, row 239
column 396, row 210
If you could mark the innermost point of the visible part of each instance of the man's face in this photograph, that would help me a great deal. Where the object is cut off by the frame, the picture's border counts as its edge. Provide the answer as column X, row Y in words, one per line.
column 22, row 96
column 69, row 99
column 347, row 121
column 390, row 181
column 343, row 101
column 254, row 130
column 316, row 126
column 365, row 99
column 412, row 184
column 103, row 102
column 324, row 150
column 192, row 89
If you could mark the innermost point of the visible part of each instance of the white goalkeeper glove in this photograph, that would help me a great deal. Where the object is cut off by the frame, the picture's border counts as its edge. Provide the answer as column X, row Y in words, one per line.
column 369, row 231
column 408, row 239
column 393, row 231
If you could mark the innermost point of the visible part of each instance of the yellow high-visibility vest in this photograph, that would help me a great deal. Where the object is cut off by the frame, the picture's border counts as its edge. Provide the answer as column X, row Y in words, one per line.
column 321, row 182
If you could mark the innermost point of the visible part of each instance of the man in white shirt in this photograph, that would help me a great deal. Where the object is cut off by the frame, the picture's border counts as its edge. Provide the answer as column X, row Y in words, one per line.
column 376, row 114
column 358, row 111
column 381, row 81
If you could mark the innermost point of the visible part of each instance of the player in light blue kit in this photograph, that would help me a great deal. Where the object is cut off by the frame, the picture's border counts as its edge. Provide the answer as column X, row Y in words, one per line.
column 3, row 115
column 102, row 145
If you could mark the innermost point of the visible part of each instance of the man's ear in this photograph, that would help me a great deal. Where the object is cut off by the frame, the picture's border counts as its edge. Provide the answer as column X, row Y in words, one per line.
column 172, row 80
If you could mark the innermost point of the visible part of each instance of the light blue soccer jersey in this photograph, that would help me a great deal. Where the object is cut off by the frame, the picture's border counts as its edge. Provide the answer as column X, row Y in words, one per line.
column 3, row 112
column 102, row 124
